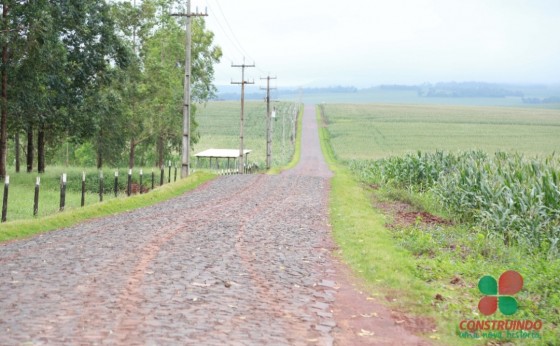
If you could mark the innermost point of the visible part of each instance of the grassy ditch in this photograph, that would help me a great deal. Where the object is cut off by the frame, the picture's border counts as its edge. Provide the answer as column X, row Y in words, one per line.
column 434, row 267
column 26, row 228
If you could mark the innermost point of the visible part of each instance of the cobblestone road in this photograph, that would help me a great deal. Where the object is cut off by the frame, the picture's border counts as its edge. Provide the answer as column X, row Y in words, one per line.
column 242, row 260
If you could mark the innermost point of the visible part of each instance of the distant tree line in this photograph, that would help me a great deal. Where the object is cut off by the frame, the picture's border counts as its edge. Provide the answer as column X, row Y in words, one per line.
column 96, row 81
column 333, row 89
column 539, row 101
column 229, row 95
column 398, row 87
column 466, row 89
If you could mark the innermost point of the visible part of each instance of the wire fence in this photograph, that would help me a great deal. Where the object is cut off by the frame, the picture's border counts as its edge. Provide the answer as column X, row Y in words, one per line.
column 219, row 128
column 76, row 190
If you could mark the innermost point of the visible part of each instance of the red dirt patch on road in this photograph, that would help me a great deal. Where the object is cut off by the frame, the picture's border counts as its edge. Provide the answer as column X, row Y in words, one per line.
column 363, row 320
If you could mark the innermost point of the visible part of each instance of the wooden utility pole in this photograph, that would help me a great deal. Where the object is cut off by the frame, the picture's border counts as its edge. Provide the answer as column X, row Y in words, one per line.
column 185, row 165
column 4, row 101
column 243, row 82
column 268, row 124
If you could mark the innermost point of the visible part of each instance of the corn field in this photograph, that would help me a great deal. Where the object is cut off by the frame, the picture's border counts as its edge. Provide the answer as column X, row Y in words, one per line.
column 511, row 196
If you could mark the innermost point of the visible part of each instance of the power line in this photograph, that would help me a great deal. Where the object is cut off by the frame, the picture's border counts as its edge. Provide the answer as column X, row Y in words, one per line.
column 227, row 33
column 243, row 82
column 232, row 33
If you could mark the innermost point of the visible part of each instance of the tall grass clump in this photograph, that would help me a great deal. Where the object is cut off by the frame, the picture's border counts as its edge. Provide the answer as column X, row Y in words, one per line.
column 511, row 196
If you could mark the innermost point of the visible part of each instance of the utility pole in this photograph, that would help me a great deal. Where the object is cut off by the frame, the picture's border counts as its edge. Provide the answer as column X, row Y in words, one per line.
column 268, row 124
column 185, row 165
column 243, row 82
column 4, row 100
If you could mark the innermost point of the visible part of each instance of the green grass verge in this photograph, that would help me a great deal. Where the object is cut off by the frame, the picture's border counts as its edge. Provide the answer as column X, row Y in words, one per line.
column 297, row 150
column 26, row 228
column 367, row 246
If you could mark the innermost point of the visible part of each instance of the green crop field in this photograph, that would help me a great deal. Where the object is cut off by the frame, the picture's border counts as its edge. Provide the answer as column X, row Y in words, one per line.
column 493, row 173
column 219, row 129
column 375, row 131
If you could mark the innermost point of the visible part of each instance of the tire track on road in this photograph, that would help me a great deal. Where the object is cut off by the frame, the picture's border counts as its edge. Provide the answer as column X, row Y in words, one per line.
column 131, row 294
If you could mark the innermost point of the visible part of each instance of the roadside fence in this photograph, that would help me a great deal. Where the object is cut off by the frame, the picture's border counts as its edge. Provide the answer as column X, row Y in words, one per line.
column 119, row 189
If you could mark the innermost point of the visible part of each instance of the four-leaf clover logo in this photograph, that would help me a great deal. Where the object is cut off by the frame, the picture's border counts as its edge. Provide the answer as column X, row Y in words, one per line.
column 499, row 294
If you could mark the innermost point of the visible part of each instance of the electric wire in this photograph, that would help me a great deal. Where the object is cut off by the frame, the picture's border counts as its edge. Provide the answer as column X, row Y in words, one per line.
column 224, row 31
column 229, row 34
column 231, row 30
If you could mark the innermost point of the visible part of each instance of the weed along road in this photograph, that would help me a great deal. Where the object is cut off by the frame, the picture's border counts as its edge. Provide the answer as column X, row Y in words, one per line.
column 243, row 260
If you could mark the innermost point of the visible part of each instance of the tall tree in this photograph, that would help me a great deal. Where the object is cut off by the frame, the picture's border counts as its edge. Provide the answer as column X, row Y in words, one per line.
column 63, row 54
column 135, row 24
column 106, row 75
column 164, row 65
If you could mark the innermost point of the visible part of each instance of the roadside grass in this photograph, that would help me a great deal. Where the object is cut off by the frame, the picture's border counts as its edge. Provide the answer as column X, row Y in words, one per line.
column 451, row 259
column 20, row 202
column 73, row 216
column 367, row 246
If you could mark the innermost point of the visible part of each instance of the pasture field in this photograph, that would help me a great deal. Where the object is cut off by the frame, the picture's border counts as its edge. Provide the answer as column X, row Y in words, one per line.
column 27, row 225
column 373, row 131
column 219, row 129
column 22, row 189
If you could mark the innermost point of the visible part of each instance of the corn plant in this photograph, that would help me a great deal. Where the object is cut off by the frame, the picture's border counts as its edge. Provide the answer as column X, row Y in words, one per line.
column 512, row 197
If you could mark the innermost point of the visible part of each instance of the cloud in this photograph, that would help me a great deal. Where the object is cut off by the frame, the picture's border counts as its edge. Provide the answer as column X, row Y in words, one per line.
column 365, row 42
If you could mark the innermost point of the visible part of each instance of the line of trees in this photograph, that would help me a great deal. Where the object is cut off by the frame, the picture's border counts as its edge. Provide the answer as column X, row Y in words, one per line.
column 102, row 77
column 540, row 101
column 467, row 89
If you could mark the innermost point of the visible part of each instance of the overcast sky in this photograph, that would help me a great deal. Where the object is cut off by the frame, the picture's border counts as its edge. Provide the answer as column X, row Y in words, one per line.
column 371, row 42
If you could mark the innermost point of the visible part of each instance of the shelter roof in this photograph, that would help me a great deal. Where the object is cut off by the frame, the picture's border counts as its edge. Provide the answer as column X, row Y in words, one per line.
column 222, row 153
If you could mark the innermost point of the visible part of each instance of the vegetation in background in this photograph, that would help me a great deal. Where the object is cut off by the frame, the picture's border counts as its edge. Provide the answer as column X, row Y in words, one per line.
column 377, row 131
column 98, row 82
column 219, row 122
column 468, row 89
column 535, row 96
column 482, row 194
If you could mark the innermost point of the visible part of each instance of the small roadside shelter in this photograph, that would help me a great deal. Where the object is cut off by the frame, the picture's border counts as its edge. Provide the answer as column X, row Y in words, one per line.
column 221, row 155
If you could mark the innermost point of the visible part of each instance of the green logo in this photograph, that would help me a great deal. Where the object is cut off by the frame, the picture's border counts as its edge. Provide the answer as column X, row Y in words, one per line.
column 499, row 294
